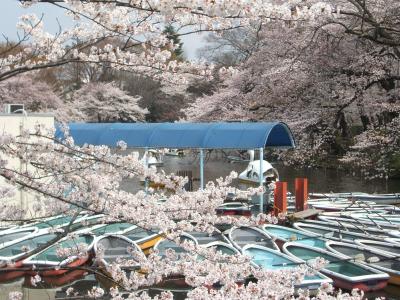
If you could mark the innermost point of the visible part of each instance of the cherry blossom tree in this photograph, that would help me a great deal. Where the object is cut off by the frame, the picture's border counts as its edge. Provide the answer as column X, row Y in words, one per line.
column 67, row 178
column 105, row 102
column 36, row 95
column 137, row 24
column 325, row 81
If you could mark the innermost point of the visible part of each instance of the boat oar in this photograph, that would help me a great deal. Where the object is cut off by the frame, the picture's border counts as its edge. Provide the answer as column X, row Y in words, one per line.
column 345, row 227
column 372, row 221
column 377, row 213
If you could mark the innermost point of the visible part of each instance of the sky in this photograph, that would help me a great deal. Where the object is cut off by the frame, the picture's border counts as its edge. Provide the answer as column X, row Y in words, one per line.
column 10, row 11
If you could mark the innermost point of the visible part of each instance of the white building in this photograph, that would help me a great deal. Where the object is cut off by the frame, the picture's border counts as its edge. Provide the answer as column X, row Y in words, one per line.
column 14, row 124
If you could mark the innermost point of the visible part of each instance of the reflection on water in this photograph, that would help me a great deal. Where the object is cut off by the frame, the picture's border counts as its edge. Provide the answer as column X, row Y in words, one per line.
column 319, row 181
column 81, row 287
column 45, row 289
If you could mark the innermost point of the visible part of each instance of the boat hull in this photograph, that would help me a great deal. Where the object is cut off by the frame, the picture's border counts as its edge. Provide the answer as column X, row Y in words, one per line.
column 234, row 212
column 365, row 286
column 55, row 270
column 394, row 278
column 10, row 274
column 57, row 281
column 146, row 246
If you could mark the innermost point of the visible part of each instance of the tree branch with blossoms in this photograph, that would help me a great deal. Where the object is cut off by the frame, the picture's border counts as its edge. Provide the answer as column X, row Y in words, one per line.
column 87, row 178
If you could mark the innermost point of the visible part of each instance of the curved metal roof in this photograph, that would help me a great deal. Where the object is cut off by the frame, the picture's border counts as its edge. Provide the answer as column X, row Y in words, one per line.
column 236, row 135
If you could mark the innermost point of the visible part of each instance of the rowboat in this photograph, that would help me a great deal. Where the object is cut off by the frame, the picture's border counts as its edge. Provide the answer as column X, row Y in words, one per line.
column 378, row 198
column 86, row 221
column 15, row 234
column 163, row 244
column 284, row 234
column 394, row 240
column 145, row 239
column 112, row 248
column 51, row 282
column 53, row 264
column 204, row 238
column 22, row 248
column 7, row 227
column 358, row 222
column 393, row 199
column 234, row 208
column 61, row 221
column 389, row 264
column 347, row 205
column 380, row 218
column 274, row 260
column 222, row 247
column 384, row 247
column 350, row 206
column 114, row 228
column 51, row 222
column 335, row 195
column 345, row 274
column 326, row 199
column 173, row 280
column 370, row 230
column 333, row 233
column 241, row 236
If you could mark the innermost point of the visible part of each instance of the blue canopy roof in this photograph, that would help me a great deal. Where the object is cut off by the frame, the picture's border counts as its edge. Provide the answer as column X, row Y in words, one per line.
column 237, row 135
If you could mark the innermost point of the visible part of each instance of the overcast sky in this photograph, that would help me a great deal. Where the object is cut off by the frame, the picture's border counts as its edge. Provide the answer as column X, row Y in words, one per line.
column 10, row 10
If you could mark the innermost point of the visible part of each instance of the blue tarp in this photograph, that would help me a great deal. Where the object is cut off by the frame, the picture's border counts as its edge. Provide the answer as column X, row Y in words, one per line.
column 235, row 135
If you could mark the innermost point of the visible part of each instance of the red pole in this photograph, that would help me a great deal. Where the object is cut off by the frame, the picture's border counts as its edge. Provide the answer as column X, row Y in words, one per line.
column 301, row 191
column 280, row 200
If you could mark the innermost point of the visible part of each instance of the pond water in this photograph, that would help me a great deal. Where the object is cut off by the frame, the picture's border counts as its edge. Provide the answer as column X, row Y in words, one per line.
column 320, row 180
column 215, row 166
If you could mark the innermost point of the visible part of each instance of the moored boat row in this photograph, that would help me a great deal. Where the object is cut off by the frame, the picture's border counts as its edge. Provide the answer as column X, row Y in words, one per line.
column 360, row 255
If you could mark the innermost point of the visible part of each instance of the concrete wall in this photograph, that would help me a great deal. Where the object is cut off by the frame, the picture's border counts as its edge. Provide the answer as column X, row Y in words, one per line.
column 13, row 124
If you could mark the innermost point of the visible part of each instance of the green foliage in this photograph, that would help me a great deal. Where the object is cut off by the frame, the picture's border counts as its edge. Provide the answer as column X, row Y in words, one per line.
column 172, row 35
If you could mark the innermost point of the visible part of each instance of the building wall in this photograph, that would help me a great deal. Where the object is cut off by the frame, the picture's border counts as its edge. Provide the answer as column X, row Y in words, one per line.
column 13, row 124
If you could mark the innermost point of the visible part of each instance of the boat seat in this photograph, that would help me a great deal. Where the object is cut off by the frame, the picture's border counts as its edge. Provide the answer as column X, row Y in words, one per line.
column 264, row 243
column 395, row 265
column 246, row 238
column 105, row 243
column 359, row 257
column 115, row 256
column 116, row 251
column 136, row 237
column 373, row 259
column 206, row 239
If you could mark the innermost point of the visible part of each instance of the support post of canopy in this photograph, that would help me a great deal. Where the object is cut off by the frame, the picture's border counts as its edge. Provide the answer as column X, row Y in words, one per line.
column 146, row 162
column 201, row 169
column 261, row 178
